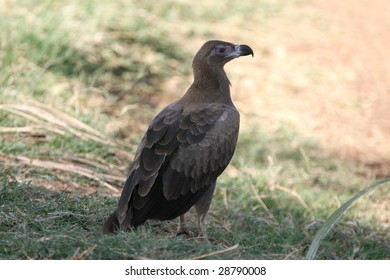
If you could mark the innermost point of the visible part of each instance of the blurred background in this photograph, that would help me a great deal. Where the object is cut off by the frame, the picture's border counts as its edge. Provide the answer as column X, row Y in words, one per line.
column 320, row 66
column 81, row 80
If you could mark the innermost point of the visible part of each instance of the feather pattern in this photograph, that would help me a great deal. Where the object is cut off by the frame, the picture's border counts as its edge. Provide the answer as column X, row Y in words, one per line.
column 187, row 158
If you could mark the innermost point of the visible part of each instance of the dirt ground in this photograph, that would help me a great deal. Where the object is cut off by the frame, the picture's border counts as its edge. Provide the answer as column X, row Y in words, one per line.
column 363, row 48
column 338, row 80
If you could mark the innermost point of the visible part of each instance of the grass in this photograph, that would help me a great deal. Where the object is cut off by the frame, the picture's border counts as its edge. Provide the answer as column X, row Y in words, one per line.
column 79, row 82
column 332, row 220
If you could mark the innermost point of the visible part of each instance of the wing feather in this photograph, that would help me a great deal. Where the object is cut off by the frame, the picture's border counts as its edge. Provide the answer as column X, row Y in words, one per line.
column 180, row 156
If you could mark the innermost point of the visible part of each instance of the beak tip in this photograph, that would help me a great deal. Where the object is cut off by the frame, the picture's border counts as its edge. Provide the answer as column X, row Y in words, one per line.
column 246, row 50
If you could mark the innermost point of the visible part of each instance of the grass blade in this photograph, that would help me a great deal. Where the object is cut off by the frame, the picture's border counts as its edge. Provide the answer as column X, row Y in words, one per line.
column 217, row 252
column 325, row 229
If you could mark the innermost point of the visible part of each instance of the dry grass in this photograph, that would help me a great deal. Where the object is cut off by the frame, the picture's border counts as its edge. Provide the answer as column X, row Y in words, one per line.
column 89, row 172
column 49, row 119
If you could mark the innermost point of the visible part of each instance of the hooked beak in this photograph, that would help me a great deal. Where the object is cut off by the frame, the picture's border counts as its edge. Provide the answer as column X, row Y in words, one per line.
column 240, row 50
column 244, row 50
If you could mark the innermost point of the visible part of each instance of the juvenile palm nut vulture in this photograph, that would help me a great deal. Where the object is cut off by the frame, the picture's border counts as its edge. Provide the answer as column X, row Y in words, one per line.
column 185, row 148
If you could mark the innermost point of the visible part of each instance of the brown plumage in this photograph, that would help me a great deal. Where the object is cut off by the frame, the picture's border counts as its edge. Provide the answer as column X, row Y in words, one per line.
column 186, row 147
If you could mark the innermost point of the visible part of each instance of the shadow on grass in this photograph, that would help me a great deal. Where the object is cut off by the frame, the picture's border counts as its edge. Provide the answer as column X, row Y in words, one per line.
column 39, row 224
column 121, row 60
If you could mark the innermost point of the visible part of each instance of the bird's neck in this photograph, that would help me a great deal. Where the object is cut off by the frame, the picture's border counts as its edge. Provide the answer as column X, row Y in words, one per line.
column 210, row 85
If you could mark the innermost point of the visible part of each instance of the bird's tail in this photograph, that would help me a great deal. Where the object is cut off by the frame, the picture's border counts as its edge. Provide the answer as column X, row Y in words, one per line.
column 111, row 225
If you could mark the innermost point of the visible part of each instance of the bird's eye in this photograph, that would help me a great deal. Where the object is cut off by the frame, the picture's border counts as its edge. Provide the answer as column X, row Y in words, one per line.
column 221, row 50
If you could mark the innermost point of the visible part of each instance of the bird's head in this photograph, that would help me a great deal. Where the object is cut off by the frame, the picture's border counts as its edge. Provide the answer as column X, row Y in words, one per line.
column 208, row 63
column 217, row 53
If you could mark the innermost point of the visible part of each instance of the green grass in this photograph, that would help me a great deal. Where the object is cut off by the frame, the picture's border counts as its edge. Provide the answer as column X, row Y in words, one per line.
column 41, row 224
column 332, row 220
column 112, row 66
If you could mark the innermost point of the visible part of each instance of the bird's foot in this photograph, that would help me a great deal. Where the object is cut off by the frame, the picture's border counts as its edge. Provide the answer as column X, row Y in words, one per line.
column 185, row 231
column 202, row 237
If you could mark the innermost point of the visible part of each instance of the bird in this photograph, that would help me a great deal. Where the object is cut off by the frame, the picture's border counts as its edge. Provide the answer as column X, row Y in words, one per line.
column 185, row 148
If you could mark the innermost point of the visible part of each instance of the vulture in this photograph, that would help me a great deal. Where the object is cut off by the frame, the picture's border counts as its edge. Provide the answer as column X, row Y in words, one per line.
column 185, row 148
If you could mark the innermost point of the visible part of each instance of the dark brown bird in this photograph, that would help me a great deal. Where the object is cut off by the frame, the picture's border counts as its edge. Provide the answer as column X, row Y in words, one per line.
column 185, row 148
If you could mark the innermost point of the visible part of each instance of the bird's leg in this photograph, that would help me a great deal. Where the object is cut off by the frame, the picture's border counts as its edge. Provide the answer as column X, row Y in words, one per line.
column 183, row 229
column 202, row 207
column 202, row 226
column 182, row 223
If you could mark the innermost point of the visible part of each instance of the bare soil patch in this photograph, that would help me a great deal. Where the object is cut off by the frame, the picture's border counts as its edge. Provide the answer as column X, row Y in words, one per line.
column 331, row 80
column 362, row 47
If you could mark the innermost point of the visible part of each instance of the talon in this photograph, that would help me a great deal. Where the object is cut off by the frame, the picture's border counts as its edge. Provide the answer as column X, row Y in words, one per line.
column 185, row 231
column 202, row 236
